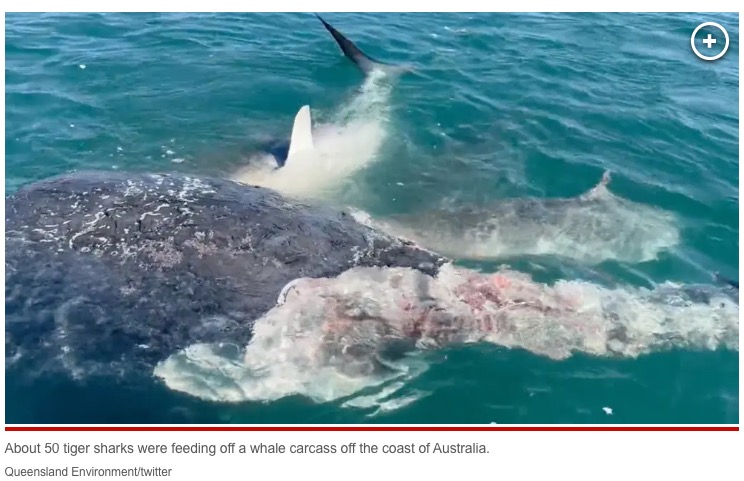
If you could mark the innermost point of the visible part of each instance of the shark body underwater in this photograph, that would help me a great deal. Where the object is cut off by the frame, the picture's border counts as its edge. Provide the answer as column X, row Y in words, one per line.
column 155, row 277
column 591, row 227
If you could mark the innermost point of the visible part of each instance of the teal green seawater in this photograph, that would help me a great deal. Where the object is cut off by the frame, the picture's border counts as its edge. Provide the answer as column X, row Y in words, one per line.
column 498, row 105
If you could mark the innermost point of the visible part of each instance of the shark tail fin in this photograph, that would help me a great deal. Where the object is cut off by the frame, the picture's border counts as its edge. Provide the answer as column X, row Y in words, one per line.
column 364, row 62
column 302, row 133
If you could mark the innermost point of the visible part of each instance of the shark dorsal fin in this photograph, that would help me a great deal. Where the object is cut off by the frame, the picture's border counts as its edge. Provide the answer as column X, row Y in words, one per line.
column 302, row 133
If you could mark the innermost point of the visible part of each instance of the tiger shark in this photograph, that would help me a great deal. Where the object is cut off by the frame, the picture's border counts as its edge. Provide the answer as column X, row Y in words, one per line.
column 592, row 227
column 284, row 151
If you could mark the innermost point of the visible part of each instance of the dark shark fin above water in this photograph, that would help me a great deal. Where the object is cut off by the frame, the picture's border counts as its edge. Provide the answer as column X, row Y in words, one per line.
column 364, row 62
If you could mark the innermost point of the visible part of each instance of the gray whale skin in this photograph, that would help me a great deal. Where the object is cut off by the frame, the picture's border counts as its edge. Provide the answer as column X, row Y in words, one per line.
column 110, row 273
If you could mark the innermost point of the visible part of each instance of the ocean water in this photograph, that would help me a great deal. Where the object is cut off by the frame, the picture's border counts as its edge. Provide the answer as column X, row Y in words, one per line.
column 497, row 106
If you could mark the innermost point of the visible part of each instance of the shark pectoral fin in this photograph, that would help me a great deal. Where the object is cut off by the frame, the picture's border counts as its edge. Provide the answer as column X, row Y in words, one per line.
column 302, row 133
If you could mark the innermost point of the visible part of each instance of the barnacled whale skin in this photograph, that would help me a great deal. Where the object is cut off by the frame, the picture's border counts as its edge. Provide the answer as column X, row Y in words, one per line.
column 110, row 273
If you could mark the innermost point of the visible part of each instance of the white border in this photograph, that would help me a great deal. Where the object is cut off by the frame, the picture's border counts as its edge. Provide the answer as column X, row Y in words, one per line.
column 578, row 455
column 376, row 6
column 725, row 46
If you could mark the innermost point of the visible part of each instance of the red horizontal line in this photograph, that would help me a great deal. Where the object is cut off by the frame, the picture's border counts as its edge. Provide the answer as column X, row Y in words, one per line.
column 371, row 428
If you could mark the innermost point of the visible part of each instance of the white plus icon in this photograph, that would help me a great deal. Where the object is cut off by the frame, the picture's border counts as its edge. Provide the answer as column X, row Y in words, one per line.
column 709, row 41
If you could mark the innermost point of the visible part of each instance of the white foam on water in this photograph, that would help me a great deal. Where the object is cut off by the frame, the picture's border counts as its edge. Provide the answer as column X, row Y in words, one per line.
column 336, row 338
column 342, row 147
column 386, row 400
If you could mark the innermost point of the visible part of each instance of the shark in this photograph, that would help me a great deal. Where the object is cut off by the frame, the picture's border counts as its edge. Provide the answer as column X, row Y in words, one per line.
column 592, row 227
column 317, row 158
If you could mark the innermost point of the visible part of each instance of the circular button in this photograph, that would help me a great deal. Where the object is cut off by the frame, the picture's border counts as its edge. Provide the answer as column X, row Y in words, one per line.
column 709, row 41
